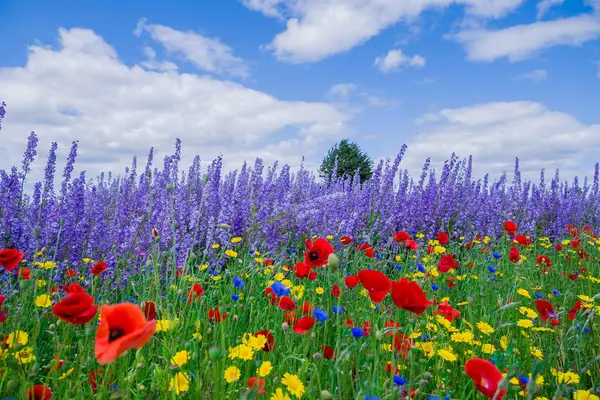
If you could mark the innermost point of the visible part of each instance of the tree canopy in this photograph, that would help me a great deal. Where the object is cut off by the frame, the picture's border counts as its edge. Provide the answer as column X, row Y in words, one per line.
column 349, row 158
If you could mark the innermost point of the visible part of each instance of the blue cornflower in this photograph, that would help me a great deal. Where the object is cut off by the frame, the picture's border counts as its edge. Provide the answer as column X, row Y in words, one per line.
column 435, row 287
column 235, row 297
column 358, row 332
column 399, row 380
column 372, row 398
column 338, row 310
column 421, row 268
column 238, row 282
column 539, row 295
column 497, row 255
column 280, row 289
column 398, row 267
column 556, row 292
column 213, row 272
column 378, row 256
column 492, row 279
column 320, row 314
column 424, row 337
column 524, row 379
column 292, row 249
column 492, row 269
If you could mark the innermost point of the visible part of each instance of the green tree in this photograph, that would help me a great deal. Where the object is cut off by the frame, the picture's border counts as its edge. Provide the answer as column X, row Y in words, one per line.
column 349, row 158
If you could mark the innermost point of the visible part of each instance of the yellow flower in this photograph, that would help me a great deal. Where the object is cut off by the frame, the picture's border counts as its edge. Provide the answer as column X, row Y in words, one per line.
column 328, row 237
column 504, row 343
column 485, row 327
column 447, row 355
column 41, row 283
column 537, row 353
column 180, row 358
column 180, row 383
column 265, row 368
column 524, row 292
column 17, row 337
column 524, row 323
column 426, row 347
column 280, row 395
column 293, row 384
column 47, row 265
column 439, row 249
column 236, row 239
column 203, row 267
column 231, row 253
column 320, row 290
column 215, row 246
column 232, row 374
column 43, row 300
column 164, row 325
column 488, row 348
column 242, row 351
column 584, row 395
column 528, row 312
column 279, row 276
column 464, row 337
column 197, row 336
column 69, row 372
column 586, row 299
column 298, row 291
column 25, row 356
column 88, row 260
column 420, row 235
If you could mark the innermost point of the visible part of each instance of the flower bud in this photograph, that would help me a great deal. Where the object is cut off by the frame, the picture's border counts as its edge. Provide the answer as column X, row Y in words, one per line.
column 333, row 261
column 285, row 326
column 214, row 353
column 326, row 395
column 317, row 356
column 225, row 226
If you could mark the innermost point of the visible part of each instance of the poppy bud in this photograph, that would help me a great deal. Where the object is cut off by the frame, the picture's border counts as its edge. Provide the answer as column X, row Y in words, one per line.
column 325, row 395
column 169, row 186
column 36, row 233
column 52, row 328
column 225, row 226
column 285, row 326
column 317, row 356
column 214, row 353
column 378, row 335
column 148, row 263
column 275, row 380
column 427, row 375
column 235, row 318
column 139, row 366
column 157, row 239
column 11, row 386
column 333, row 261
column 180, row 292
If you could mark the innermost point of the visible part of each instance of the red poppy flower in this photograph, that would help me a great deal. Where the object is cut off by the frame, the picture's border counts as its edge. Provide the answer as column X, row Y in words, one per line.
column 523, row 240
column 317, row 253
column 411, row 245
column 303, row 325
column 307, row 308
column 351, row 281
column 402, row 345
column 376, row 282
column 3, row 316
column 74, row 288
column 469, row 245
column 451, row 282
column 486, row 377
column 367, row 328
column 587, row 229
column 39, row 392
column 545, row 309
column 267, row 262
column 559, row 247
column 256, row 384
column 409, row 296
column 286, row 303
column 195, row 292
column 24, row 273
column 77, row 308
column 583, row 254
column 448, row 311
column 430, row 249
column 328, row 352
column 575, row 243
column 290, row 317
column 345, row 240
column 214, row 314
column 10, row 258
column 270, row 345
column 370, row 252
column 335, row 291
column 513, row 255
column 401, row 237
column 302, row 270
column 122, row 327
column 99, row 268
column 70, row 273
column 573, row 311
column 389, row 324
column 510, row 227
column 150, row 310
column 447, row 262
column 541, row 259
column 443, row 238
column 271, row 295
column 2, row 298
column 363, row 246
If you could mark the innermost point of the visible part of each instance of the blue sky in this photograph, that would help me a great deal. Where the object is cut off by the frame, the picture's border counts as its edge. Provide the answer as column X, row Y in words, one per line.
column 282, row 79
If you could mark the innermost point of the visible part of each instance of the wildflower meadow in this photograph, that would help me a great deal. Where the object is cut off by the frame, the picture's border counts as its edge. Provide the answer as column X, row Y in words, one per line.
column 263, row 283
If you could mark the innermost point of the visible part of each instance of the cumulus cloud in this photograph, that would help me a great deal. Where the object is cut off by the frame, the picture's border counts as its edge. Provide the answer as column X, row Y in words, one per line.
column 80, row 90
column 523, row 41
column 395, row 59
column 537, row 76
column 317, row 29
column 208, row 54
column 495, row 133
column 544, row 6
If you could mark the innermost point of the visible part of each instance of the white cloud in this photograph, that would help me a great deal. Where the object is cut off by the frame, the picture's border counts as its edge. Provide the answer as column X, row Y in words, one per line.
column 544, row 5
column 537, row 76
column 316, row 29
column 117, row 111
column 353, row 99
column 205, row 53
column 153, row 64
column 395, row 59
column 342, row 90
column 496, row 133
column 522, row 41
